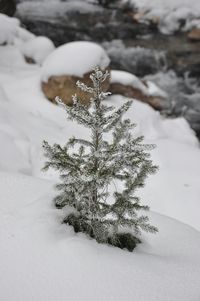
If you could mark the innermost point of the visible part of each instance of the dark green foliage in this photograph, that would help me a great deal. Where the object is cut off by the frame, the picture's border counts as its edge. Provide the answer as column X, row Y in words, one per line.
column 87, row 174
column 124, row 241
column 119, row 240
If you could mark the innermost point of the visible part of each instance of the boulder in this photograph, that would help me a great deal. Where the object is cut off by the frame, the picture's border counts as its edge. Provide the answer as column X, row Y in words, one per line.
column 131, row 92
column 129, row 85
column 64, row 86
column 69, row 63
column 194, row 34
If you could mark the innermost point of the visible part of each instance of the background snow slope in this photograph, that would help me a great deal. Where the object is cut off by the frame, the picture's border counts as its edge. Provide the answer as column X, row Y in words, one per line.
column 41, row 259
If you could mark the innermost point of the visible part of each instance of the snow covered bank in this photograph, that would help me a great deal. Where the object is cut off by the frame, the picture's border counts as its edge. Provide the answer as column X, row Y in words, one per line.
column 127, row 79
column 30, row 46
column 177, row 147
column 43, row 260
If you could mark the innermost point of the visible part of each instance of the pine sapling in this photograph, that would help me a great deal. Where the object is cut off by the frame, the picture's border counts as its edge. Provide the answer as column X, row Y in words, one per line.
column 112, row 154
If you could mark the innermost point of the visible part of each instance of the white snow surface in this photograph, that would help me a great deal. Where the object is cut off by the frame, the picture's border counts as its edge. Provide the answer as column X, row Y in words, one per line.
column 42, row 259
column 38, row 49
column 11, row 31
column 75, row 58
column 128, row 79
column 8, row 28
column 24, row 42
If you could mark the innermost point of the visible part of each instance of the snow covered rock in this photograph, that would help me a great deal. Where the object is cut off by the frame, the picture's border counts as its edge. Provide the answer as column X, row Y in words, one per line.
column 37, row 49
column 170, row 15
column 129, row 85
column 69, row 63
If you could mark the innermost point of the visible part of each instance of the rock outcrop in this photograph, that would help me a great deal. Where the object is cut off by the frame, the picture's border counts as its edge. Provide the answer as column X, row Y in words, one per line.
column 64, row 86
column 128, row 85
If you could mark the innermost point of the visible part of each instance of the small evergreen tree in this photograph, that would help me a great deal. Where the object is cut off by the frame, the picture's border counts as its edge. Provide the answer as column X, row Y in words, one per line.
column 86, row 175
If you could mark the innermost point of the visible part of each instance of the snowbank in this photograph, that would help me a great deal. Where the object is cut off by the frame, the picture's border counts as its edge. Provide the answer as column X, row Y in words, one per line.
column 11, row 33
column 170, row 14
column 9, row 27
column 40, row 258
column 10, row 57
column 37, row 49
column 129, row 79
column 75, row 58
column 43, row 260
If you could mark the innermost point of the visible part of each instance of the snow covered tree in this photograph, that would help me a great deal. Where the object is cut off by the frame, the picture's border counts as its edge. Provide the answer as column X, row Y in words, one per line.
column 87, row 174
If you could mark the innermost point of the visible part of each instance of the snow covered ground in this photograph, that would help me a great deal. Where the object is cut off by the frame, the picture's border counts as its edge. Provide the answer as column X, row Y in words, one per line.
column 41, row 259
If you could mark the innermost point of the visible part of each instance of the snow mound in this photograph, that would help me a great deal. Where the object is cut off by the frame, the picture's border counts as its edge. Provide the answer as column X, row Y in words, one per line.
column 154, row 90
column 38, row 48
column 129, row 79
column 75, row 58
column 38, row 252
column 11, row 33
column 9, row 27
column 11, row 57
column 42, row 259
